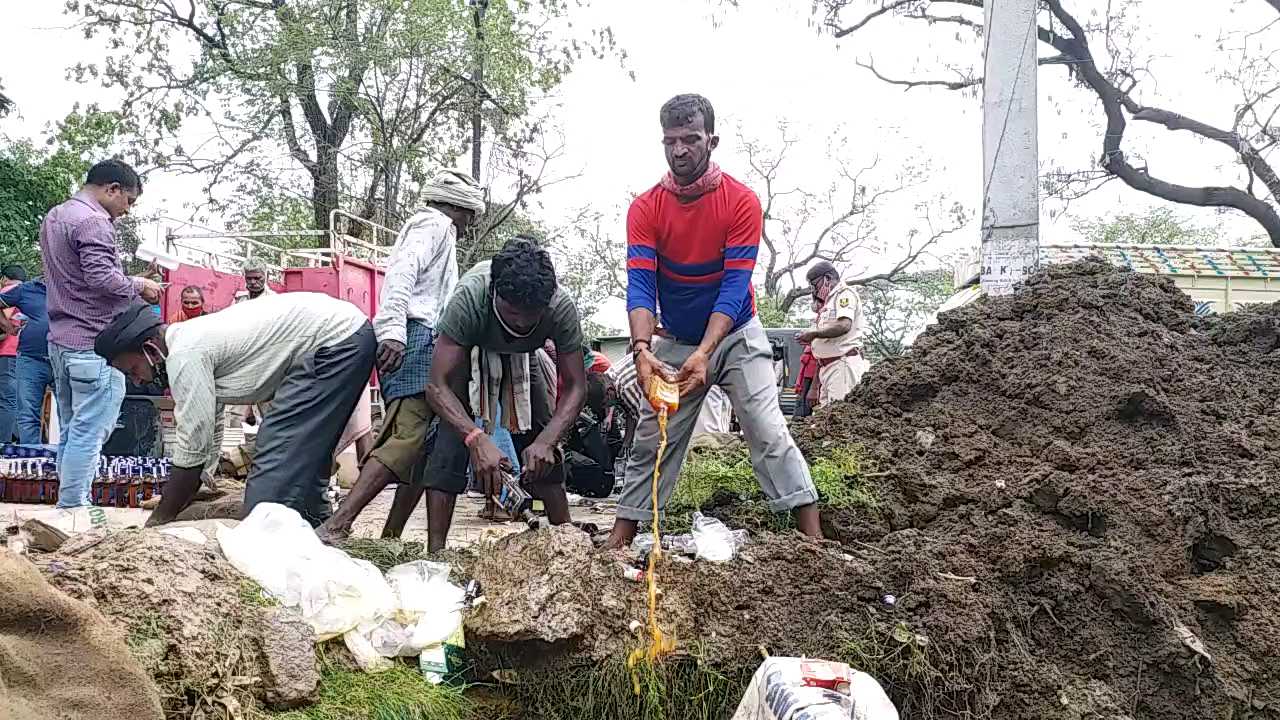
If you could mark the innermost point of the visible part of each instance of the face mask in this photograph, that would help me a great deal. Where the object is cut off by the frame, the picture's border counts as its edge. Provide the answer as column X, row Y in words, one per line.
column 192, row 312
column 160, row 373
column 507, row 328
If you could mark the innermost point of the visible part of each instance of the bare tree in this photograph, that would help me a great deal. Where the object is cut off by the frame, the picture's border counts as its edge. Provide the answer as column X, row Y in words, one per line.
column 804, row 223
column 1122, row 84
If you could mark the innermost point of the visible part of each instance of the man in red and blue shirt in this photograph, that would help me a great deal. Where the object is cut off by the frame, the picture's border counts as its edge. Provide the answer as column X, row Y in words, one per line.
column 691, row 249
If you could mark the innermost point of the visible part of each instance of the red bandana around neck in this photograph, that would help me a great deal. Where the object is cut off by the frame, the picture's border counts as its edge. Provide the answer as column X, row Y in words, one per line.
column 709, row 181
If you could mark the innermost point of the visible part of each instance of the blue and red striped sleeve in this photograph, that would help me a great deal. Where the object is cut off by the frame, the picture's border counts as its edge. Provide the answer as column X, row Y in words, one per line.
column 740, row 250
column 642, row 259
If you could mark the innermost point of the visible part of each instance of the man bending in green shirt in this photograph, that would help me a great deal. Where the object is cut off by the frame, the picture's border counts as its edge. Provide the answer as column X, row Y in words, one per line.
column 499, row 315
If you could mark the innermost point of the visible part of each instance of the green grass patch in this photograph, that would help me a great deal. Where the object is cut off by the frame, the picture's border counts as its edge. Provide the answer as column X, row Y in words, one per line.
column 400, row 693
column 252, row 594
column 385, row 553
column 724, row 479
column 841, row 479
column 674, row 689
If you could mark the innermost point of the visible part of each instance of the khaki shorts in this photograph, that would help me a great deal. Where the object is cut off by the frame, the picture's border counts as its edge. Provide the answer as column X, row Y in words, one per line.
column 403, row 438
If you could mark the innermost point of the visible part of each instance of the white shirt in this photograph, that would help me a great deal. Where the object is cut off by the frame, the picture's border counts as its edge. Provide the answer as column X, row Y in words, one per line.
column 843, row 302
column 421, row 275
column 241, row 355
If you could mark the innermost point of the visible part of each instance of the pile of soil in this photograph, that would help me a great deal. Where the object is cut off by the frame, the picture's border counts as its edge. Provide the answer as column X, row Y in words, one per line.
column 1077, row 519
column 215, row 645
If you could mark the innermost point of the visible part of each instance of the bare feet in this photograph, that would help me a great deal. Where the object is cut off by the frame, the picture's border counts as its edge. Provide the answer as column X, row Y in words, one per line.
column 333, row 534
column 624, row 531
column 808, row 521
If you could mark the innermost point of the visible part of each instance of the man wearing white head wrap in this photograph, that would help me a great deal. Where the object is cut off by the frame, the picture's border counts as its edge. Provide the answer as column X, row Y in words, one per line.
column 421, row 274
column 456, row 188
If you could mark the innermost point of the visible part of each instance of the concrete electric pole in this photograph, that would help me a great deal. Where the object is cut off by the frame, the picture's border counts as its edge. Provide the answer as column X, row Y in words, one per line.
column 1010, row 157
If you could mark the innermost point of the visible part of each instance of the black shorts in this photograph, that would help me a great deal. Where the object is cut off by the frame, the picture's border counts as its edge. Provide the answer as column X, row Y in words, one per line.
column 446, row 467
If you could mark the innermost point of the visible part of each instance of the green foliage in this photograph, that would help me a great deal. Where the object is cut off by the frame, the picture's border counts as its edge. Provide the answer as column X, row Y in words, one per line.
column 711, row 478
column 363, row 98
column 278, row 211
column 384, row 553
column 34, row 180
column 400, row 693
column 1161, row 226
column 769, row 310
column 253, row 595
column 676, row 689
column 896, row 310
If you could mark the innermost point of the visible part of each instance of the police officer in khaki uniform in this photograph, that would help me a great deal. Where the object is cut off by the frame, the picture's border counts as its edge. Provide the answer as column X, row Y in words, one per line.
column 836, row 338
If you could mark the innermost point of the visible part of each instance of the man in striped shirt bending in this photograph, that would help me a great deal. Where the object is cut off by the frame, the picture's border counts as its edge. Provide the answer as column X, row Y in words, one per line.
column 691, row 249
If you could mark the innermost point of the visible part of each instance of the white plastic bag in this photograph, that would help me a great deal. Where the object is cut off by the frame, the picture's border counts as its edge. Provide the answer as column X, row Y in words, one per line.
column 778, row 692
column 712, row 540
column 427, row 603
column 334, row 591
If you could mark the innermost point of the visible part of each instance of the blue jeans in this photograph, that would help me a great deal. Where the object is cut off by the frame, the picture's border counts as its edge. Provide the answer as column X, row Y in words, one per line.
column 89, row 393
column 8, row 398
column 34, row 375
column 501, row 438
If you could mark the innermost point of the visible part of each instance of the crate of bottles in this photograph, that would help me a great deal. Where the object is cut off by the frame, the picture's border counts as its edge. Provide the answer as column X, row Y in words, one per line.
column 119, row 481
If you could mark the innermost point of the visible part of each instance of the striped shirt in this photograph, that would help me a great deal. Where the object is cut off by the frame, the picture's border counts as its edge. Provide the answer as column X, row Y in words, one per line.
column 623, row 373
column 694, row 259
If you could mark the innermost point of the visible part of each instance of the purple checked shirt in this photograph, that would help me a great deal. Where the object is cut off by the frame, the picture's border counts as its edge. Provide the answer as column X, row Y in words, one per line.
column 86, row 286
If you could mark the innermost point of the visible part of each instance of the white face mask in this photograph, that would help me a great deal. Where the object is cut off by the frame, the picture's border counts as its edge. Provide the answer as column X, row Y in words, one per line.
column 507, row 328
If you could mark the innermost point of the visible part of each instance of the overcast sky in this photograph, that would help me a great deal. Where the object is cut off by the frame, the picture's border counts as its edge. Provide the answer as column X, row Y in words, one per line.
column 760, row 65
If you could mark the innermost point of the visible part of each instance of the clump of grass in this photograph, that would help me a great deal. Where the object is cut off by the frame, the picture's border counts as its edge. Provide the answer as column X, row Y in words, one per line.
column 713, row 475
column 715, row 478
column 842, row 481
column 385, row 553
column 252, row 594
column 920, row 676
column 674, row 689
column 400, row 693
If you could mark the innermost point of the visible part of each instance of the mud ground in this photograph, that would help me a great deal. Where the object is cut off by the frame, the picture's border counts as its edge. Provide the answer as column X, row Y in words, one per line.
column 1078, row 519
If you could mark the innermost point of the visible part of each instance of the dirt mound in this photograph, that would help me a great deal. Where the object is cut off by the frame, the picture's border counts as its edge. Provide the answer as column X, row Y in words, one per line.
column 1102, row 462
column 1076, row 519
column 216, row 646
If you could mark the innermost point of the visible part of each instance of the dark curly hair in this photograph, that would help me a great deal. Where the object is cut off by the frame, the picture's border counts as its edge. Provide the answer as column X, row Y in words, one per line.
column 680, row 109
column 522, row 273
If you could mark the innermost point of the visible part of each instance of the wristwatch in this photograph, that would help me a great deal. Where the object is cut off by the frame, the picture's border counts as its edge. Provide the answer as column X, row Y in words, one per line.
column 647, row 344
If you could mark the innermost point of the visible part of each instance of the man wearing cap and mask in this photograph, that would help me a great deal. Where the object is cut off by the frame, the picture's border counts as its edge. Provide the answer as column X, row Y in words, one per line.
column 307, row 353
column 836, row 339
column 421, row 274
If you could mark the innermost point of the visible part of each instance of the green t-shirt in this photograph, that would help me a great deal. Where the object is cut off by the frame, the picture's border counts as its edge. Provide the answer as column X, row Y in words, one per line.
column 469, row 320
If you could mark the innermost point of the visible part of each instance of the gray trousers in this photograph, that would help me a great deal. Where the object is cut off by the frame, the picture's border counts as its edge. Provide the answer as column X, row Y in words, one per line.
column 743, row 367
column 294, row 455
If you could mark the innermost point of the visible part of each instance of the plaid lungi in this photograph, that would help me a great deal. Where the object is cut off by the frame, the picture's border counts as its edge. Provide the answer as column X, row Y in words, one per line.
column 411, row 377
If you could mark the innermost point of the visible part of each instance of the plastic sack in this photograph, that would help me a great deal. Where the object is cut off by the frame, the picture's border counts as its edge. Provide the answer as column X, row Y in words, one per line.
column 783, row 688
column 712, row 540
column 335, row 592
column 429, row 606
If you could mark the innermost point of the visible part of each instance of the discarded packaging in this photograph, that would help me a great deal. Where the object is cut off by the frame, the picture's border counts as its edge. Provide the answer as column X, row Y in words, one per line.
column 687, row 543
column 712, row 540
column 414, row 608
column 787, row 688
column 336, row 593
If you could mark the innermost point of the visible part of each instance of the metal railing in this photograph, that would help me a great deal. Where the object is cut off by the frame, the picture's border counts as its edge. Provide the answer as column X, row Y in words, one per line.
column 250, row 244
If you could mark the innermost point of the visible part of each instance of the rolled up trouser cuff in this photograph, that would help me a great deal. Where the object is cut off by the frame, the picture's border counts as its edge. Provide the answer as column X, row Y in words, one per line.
column 799, row 498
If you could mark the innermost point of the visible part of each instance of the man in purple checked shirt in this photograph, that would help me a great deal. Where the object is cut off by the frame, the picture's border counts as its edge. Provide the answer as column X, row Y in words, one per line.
column 87, row 288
